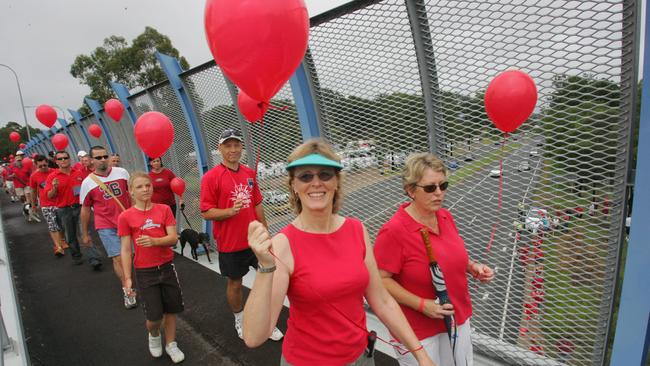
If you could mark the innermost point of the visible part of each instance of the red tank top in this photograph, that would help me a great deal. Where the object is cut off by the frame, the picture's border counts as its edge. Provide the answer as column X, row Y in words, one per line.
column 328, row 268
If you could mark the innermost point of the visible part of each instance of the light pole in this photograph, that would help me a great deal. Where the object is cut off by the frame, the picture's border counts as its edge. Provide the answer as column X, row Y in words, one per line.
column 22, row 104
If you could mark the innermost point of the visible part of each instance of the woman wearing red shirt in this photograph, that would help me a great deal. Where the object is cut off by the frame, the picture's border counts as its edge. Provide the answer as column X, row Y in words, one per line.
column 161, row 178
column 325, row 267
column 151, row 229
column 403, row 263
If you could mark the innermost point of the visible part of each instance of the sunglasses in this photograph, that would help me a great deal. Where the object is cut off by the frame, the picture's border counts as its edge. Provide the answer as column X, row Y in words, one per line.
column 101, row 157
column 323, row 176
column 432, row 187
column 41, row 166
column 62, row 159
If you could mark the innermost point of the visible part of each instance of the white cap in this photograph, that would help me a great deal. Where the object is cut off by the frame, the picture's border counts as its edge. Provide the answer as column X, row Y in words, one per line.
column 81, row 153
column 20, row 152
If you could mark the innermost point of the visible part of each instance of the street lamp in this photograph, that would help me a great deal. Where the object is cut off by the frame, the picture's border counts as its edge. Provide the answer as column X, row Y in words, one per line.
column 20, row 93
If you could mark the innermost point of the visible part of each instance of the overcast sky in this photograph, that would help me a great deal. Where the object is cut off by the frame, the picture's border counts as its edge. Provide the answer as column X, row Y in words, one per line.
column 40, row 39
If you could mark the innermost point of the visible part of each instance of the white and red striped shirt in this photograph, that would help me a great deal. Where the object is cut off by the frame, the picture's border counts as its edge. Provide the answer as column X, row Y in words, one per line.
column 105, row 208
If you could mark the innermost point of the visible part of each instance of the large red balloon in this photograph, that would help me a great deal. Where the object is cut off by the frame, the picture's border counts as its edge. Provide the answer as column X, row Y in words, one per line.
column 95, row 130
column 257, row 43
column 14, row 136
column 252, row 109
column 154, row 133
column 177, row 186
column 114, row 109
column 27, row 163
column 510, row 99
column 46, row 115
column 60, row 141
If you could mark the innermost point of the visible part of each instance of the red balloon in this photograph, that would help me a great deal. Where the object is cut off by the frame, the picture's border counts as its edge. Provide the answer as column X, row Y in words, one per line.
column 257, row 43
column 114, row 109
column 11, row 156
column 95, row 130
column 510, row 99
column 154, row 133
column 252, row 109
column 4, row 158
column 46, row 115
column 34, row 155
column 27, row 163
column 14, row 136
column 178, row 186
column 22, row 146
column 60, row 141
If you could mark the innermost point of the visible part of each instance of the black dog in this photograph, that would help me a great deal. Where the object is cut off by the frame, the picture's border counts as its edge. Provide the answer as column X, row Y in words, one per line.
column 194, row 238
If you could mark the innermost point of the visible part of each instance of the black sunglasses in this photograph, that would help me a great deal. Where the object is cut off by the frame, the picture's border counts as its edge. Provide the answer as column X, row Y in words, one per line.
column 432, row 187
column 323, row 176
column 101, row 157
column 64, row 158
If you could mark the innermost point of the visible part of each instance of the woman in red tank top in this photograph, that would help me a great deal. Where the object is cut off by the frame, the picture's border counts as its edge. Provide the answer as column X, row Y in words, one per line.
column 325, row 266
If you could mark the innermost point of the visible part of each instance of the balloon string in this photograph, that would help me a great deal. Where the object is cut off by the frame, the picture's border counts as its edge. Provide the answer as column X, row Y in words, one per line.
column 399, row 349
column 494, row 228
column 271, row 106
column 261, row 139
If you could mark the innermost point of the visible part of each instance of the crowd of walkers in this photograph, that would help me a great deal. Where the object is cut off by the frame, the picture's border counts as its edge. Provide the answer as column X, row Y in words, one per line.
column 414, row 277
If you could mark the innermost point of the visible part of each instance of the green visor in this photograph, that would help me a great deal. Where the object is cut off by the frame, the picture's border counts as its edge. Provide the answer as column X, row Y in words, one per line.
column 314, row 159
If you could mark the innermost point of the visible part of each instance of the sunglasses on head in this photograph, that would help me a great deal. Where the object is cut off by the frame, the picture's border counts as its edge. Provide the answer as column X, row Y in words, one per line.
column 323, row 176
column 430, row 188
column 101, row 157
column 63, row 158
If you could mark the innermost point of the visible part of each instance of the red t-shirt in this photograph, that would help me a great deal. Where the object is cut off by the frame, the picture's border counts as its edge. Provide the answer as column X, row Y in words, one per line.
column 153, row 223
column 329, row 278
column 37, row 182
column 21, row 176
column 399, row 249
column 220, row 187
column 105, row 208
column 162, row 193
column 69, row 186
column 5, row 175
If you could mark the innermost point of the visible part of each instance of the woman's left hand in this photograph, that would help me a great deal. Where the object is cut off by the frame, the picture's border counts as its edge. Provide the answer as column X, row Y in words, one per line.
column 482, row 272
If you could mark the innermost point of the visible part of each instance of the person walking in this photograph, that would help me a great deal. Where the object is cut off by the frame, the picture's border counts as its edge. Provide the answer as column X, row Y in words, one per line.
column 231, row 198
column 151, row 229
column 85, row 164
column 161, row 178
column 38, row 197
column 20, row 177
column 106, row 192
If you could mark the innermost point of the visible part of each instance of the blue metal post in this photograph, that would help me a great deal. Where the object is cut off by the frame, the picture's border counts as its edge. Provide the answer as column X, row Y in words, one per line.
column 305, row 103
column 96, row 108
column 123, row 95
column 77, row 118
column 172, row 69
column 633, row 323
column 66, row 128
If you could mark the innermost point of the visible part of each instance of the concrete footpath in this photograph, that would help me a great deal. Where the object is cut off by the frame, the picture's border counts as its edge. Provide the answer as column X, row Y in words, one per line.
column 73, row 315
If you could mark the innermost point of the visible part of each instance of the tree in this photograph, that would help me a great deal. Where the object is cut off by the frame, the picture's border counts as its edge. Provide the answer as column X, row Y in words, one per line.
column 132, row 65
column 7, row 147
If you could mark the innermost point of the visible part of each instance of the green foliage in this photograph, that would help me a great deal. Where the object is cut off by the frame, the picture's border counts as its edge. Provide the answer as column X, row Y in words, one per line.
column 8, row 147
column 133, row 65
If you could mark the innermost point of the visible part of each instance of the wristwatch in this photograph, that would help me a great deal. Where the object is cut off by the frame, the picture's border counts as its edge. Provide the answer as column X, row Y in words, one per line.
column 261, row 269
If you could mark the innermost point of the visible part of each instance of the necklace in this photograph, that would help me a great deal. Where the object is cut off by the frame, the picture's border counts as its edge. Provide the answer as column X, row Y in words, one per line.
column 417, row 217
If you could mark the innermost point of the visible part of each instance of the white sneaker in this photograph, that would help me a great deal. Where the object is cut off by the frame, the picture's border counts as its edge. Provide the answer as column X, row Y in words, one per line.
column 276, row 335
column 174, row 353
column 155, row 345
column 238, row 327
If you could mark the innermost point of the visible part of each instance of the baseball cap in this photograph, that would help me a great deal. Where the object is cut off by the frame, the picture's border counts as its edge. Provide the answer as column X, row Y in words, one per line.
column 230, row 134
column 20, row 152
column 315, row 159
column 81, row 153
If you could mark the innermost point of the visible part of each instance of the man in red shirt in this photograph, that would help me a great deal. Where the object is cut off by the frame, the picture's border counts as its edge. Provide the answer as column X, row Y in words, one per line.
column 8, row 181
column 106, row 191
column 20, row 176
column 37, row 183
column 85, row 164
column 231, row 197
column 63, row 186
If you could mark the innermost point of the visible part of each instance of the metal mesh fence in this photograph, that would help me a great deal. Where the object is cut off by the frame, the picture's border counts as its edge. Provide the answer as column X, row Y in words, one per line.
column 94, row 141
column 122, row 135
column 75, row 130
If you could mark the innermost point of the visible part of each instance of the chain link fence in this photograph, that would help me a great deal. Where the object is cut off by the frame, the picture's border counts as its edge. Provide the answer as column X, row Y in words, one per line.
column 395, row 77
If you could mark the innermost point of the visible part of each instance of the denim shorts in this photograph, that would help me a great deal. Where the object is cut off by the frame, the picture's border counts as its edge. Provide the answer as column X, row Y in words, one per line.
column 111, row 242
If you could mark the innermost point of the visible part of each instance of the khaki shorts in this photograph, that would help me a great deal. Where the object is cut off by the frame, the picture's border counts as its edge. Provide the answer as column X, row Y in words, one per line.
column 439, row 349
column 23, row 191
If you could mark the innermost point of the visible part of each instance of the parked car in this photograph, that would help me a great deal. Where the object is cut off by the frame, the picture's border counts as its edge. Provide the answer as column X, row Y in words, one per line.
column 494, row 173
column 274, row 197
column 534, row 152
column 523, row 166
column 452, row 165
column 536, row 219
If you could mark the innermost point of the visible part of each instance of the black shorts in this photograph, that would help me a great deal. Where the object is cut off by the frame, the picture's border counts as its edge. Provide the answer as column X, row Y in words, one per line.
column 235, row 265
column 159, row 290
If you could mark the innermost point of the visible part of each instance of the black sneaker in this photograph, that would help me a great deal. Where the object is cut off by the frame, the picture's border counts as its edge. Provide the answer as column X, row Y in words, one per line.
column 97, row 265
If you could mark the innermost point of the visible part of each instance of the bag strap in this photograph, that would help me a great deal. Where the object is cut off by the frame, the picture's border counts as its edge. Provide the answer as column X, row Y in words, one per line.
column 101, row 185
